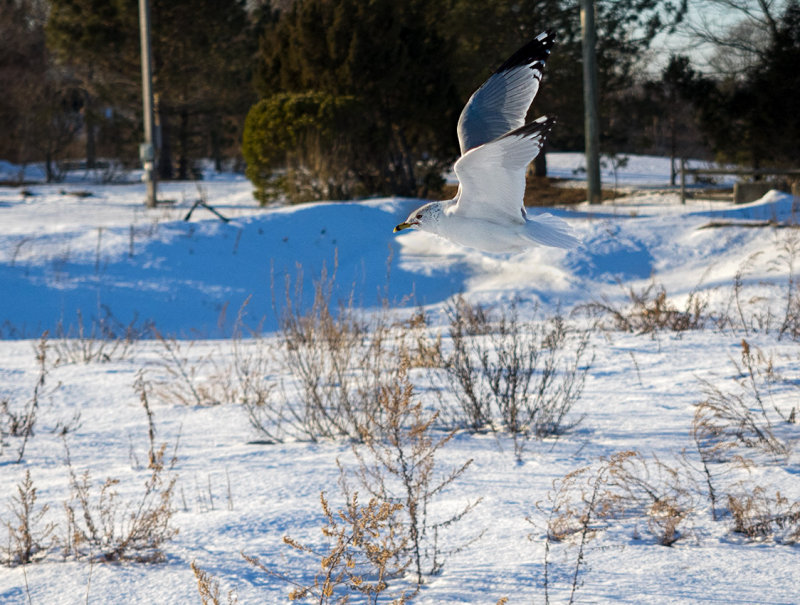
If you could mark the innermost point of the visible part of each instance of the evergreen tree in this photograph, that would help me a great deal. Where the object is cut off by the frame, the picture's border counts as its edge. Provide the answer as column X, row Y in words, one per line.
column 21, row 65
column 775, row 87
column 753, row 120
column 391, row 58
column 98, row 41
column 201, row 52
column 39, row 111
column 201, row 56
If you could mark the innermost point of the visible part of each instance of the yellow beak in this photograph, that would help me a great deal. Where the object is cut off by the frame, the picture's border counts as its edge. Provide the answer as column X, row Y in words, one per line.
column 401, row 226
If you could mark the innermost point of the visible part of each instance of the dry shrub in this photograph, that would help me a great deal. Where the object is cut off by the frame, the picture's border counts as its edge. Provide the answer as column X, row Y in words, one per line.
column 208, row 588
column 425, row 351
column 568, row 507
column 111, row 530
column 252, row 386
column 733, row 430
column 142, row 387
column 473, row 320
column 104, row 340
column 101, row 525
column 758, row 515
column 19, row 425
column 727, row 421
column 28, row 536
column 397, row 463
column 190, row 379
column 650, row 311
column 248, row 379
column 360, row 558
column 333, row 355
column 774, row 307
column 742, row 318
column 724, row 423
column 570, row 510
column 338, row 362
column 758, row 377
column 640, row 488
column 203, row 380
column 787, row 259
column 521, row 377
column 625, row 486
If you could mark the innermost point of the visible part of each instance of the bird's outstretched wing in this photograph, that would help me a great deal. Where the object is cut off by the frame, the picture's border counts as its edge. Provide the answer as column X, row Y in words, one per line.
column 492, row 176
column 501, row 103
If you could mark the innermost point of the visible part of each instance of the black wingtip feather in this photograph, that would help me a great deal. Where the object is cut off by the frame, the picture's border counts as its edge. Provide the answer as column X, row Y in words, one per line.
column 539, row 128
column 535, row 51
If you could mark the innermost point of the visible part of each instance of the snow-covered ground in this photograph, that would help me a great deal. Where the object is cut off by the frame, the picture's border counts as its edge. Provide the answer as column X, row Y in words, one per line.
column 72, row 261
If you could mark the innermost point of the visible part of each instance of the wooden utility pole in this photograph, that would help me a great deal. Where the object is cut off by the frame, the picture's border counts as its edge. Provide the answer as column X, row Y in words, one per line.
column 591, row 120
column 147, row 152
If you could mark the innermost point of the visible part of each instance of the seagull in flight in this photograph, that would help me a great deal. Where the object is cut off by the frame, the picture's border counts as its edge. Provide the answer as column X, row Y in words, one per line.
column 497, row 145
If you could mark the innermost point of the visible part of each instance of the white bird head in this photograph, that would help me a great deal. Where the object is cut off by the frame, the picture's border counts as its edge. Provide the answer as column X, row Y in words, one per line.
column 425, row 217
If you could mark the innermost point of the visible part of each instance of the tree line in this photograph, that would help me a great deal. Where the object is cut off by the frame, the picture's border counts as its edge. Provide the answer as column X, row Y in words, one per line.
column 344, row 98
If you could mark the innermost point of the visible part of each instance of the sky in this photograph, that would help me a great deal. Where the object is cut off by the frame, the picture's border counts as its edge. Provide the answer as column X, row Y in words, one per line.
column 684, row 41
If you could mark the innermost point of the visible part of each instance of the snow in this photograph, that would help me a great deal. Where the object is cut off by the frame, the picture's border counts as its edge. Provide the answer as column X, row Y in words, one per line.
column 69, row 261
column 623, row 169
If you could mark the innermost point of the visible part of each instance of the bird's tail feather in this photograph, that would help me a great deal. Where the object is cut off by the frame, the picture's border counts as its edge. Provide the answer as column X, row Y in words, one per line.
column 549, row 230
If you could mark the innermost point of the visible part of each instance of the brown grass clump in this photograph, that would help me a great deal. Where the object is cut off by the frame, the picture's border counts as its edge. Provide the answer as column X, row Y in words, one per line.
column 397, row 463
column 734, row 430
column 625, row 486
column 650, row 311
column 637, row 487
column 570, row 510
column 28, row 537
column 19, row 424
column 104, row 527
column 360, row 558
column 208, row 588
column 424, row 351
column 727, row 422
column 100, row 525
column 758, row 515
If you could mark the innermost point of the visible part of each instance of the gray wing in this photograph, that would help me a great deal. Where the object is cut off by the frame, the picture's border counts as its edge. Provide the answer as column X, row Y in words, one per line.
column 501, row 103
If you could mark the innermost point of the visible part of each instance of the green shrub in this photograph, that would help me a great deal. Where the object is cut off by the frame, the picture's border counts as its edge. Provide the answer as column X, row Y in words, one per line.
column 300, row 145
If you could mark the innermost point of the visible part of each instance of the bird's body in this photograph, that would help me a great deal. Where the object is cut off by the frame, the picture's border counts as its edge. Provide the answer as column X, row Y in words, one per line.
column 497, row 146
column 497, row 236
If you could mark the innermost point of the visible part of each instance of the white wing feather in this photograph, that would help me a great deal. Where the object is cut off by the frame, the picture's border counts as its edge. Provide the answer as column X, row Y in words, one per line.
column 492, row 176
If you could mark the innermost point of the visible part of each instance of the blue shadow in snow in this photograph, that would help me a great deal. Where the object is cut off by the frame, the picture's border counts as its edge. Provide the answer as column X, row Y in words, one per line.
column 614, row 256
column 191, row 279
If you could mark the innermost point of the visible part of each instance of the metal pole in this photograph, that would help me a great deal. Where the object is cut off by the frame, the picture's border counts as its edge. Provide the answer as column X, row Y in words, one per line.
column 147, row 150
column 591, row 121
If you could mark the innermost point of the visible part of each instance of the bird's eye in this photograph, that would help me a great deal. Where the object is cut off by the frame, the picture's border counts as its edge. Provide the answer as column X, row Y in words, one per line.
column 419, row 216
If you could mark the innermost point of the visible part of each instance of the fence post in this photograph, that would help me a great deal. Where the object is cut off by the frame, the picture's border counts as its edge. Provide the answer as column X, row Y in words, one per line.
column 683, row 181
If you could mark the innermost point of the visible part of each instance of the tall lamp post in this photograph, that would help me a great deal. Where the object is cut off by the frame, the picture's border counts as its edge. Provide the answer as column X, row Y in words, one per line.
column 591, row 121
column 147, row 151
